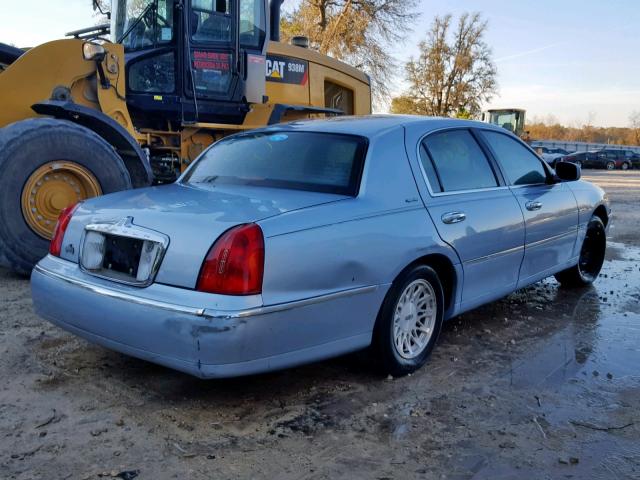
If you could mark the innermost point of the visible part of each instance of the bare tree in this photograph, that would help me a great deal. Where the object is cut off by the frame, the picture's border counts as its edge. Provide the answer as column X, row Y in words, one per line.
column 634, row 121
column 357, row 32
column 454, row 73
column 100, row 8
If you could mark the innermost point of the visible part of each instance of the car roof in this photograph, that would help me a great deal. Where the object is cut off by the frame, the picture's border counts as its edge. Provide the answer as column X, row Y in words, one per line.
column 374, row 125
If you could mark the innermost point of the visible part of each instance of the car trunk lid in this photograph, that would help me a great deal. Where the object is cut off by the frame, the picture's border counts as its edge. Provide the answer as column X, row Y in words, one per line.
column 189, row 217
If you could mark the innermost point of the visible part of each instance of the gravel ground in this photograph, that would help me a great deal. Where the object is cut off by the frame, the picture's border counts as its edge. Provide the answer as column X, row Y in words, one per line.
column 543, row 384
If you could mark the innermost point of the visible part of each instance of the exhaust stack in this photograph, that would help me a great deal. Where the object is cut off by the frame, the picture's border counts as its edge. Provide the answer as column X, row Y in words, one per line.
column 274, row 20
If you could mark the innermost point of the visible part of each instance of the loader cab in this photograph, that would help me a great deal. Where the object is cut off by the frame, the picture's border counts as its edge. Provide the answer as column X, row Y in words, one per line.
column 191, row 60
column 512, row 119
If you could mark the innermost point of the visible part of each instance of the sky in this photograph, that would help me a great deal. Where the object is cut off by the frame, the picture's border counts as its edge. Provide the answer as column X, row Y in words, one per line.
column 577, row 61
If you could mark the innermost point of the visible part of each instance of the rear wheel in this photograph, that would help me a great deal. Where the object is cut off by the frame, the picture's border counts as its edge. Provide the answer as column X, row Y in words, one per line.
column 47, row 165
column 409, row 321
column 591, row 257
column 625, row 166
column 610, row 166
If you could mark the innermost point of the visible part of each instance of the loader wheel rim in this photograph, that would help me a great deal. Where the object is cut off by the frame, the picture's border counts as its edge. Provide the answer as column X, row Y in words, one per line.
column 52, row 187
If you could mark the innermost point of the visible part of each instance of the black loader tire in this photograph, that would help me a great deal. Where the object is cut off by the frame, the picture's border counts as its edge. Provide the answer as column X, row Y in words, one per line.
column 24, row 147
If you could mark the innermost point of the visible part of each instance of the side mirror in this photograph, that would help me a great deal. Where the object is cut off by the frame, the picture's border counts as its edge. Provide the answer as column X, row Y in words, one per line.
column 567, row 171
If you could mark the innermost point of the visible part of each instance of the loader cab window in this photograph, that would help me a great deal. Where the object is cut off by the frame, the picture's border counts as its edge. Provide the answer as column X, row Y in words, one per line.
column 211, row 21
column 252, row 23
column 338, row 97
column 142, row 24
column 154, row 74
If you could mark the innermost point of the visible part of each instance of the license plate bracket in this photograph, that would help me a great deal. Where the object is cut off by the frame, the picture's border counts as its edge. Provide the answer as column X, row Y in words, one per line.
column 122, row 252
column 122, row 255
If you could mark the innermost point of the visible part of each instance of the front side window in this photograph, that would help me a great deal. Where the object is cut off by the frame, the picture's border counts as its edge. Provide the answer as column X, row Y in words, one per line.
column 456, row 161
column 211, row 20
column 521, row 166
column 320, row 162
column 142, row 24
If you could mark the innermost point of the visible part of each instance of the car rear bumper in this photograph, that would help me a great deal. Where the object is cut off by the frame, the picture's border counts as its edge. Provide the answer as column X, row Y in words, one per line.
column 171, row 327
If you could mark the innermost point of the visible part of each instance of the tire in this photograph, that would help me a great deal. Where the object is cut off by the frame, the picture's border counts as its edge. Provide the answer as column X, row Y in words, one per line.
column 591, row 257
column 388, row 353
column 27, row 146
column 625, row 166
column 610, row 166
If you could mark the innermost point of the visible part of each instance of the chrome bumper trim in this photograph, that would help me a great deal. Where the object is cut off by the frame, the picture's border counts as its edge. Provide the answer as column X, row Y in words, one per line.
column 107, row 292
column 202, row 312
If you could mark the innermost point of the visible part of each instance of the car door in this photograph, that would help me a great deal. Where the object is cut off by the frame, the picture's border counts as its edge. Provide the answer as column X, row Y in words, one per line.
column 606, row 157
column 474, row 212
column 550, row 209
column 590, row 160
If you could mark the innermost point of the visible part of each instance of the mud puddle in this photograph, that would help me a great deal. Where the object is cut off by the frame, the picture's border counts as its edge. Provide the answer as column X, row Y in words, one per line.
column 542, row 384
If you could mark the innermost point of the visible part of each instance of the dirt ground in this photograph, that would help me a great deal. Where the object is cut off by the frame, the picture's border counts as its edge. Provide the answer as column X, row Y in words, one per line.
column 543, row 384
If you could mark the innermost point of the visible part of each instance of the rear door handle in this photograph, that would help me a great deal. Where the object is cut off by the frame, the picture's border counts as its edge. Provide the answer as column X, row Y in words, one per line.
column 453, row 217
column 533, row 205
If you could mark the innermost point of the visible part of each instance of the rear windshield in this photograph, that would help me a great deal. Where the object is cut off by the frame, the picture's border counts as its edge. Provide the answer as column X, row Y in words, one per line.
column 319, row 162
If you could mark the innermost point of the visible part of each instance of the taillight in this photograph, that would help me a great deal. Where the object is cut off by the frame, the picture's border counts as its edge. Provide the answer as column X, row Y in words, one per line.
column 235, row 263
column 61, row 226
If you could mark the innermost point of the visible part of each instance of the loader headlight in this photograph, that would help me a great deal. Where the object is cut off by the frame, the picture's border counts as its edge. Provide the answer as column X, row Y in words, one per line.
column 93, row 51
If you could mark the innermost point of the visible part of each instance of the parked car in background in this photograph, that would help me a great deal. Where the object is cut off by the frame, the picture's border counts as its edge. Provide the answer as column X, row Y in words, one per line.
column 584, row 159
column 632, row 159
column 550, row 150
column 302, row 241
column 608, row 158
column 552, row 158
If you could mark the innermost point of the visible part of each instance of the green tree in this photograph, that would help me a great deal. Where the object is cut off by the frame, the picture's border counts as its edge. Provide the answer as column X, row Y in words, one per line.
column 357, row 32
column 454, row 73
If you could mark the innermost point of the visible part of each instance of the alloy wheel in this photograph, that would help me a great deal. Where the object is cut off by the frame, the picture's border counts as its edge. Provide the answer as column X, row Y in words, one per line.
column 414, row 319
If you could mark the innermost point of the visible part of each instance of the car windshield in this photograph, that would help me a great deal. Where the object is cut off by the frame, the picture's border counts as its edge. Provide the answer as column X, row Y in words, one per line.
column 321, row 162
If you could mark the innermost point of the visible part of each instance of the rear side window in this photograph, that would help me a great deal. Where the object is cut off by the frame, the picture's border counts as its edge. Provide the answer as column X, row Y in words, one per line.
column 454, row 161
column 520, row 165
column 321, row 162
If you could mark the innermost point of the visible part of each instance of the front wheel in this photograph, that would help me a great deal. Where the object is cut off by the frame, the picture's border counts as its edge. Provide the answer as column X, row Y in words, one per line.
column 409, row 321
column 625, row 166
column 591, row 257
column 610, row 166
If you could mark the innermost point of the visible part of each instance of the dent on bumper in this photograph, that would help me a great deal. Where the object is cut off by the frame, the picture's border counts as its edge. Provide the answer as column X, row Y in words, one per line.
column 202, row 341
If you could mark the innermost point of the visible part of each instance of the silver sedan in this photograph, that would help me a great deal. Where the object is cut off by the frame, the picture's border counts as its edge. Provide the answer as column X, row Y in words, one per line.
column 299, row 242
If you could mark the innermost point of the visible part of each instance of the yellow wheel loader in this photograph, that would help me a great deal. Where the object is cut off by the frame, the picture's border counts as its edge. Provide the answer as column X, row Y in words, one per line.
column 134, row 102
